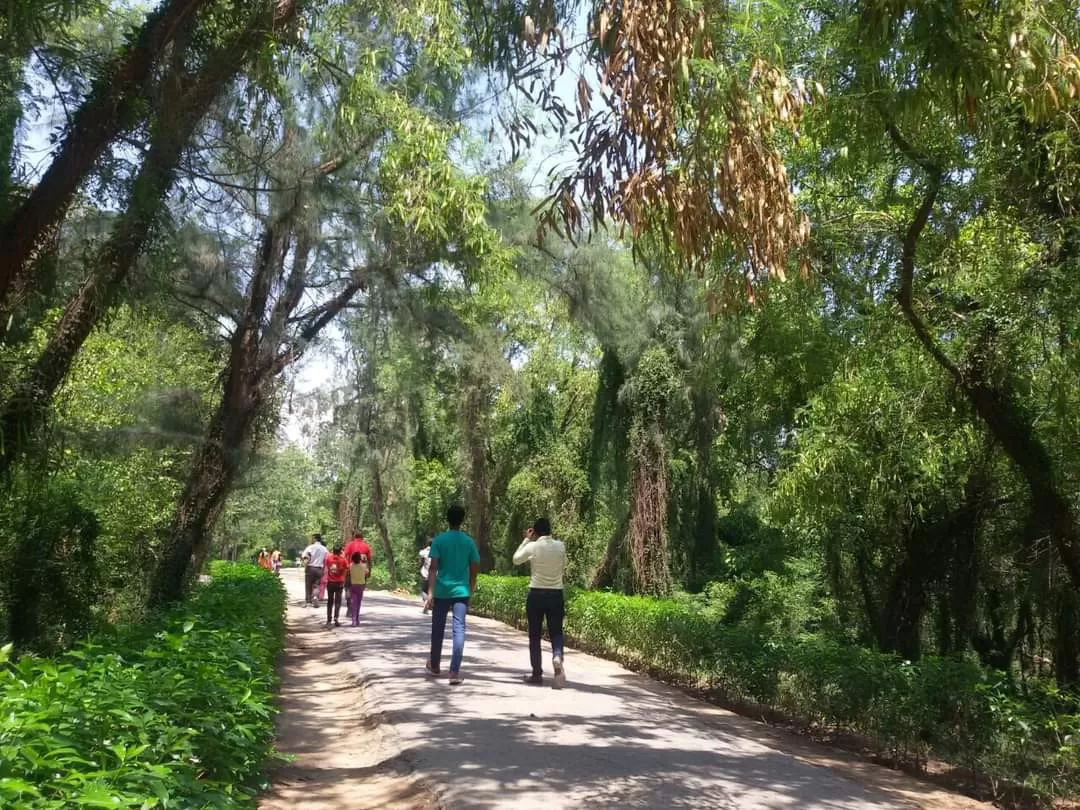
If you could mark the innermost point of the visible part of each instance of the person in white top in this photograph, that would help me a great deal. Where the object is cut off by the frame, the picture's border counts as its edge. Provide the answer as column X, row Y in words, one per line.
column 314, row 557
column 547, row 564
column 425, row 569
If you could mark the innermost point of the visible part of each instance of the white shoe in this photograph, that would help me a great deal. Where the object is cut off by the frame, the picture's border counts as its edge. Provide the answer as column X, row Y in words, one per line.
column 559, row 681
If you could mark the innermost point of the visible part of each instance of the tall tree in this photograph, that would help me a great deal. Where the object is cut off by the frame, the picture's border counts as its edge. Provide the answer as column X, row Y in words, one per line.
column 185, row 97
column 110, row 109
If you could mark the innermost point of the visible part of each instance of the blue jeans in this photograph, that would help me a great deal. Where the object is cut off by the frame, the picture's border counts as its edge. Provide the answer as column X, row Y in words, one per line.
column 441, row 608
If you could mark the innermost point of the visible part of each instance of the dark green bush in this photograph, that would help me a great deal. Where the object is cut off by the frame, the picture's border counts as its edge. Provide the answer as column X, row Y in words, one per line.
column 50, row 585
column 946, row 707
column 177, row 715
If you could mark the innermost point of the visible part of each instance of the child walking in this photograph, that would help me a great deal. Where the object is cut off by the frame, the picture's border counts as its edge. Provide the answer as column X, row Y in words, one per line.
column 336, row 568
column 358, row 577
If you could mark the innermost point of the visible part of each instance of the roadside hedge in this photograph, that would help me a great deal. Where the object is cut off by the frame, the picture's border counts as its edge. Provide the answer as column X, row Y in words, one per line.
column 948, row 708
column 175, row 715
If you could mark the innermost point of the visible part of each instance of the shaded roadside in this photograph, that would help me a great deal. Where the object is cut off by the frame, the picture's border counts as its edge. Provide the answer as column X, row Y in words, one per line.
column 343, row 758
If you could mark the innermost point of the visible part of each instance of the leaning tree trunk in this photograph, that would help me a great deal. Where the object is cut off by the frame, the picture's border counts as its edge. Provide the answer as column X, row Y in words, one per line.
column 613, row 559
column 185, row 102
column 110, row 109
column 213, row 472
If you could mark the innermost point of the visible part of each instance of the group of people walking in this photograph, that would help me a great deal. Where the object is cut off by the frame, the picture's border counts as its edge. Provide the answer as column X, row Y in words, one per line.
column 449, row 565
column 453, row 561
column 270, row 560
column 345, row 570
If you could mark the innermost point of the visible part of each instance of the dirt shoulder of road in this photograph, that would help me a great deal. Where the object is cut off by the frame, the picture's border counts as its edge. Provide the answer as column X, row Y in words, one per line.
column 342, row 757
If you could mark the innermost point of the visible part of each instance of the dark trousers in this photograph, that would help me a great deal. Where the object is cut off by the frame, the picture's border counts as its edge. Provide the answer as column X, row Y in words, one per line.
column 545, row 604
column 333, row 599
column 312, row 576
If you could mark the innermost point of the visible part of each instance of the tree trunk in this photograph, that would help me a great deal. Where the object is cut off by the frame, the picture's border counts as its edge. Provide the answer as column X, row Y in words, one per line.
column 213, row 471
column 109, row 110
column 378, row 512
column 648, row 537
column 348, row 520
column 478, row 506
column 604, row 577
column 25, row 412
column 1067, row 640
column 901, row 616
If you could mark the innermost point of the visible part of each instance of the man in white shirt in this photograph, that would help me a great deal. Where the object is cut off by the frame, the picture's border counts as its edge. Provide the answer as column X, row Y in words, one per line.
column 315, row 557
column 547, row 564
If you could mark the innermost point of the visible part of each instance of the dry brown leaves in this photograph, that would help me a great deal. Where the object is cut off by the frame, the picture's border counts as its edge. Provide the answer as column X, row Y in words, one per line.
column 686, row 158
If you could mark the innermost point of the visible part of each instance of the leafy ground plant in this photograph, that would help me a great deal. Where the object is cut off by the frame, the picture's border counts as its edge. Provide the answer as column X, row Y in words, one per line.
column 175, row 715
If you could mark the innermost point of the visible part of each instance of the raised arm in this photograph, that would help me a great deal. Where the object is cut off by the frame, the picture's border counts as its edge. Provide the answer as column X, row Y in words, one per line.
column 524, row 551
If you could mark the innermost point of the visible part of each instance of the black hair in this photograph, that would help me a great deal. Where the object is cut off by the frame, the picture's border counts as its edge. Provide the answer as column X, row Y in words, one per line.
column 542, row 527
column 338, row 549
column 317, row 537
column 357, row 557
column 455, row 516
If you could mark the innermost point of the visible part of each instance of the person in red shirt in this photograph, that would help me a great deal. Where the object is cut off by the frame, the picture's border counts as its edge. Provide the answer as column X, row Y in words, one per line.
column 337, row 566
column 355, row 546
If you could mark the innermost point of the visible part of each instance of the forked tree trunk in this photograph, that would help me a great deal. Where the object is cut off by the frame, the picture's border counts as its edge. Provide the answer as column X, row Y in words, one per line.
column 260, row 349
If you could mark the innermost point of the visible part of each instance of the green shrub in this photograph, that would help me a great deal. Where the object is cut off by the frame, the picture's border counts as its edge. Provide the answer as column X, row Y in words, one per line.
column 947, row 707
column 177, row 715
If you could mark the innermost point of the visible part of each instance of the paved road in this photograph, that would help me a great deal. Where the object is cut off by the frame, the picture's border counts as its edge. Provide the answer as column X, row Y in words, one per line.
column 610, row 739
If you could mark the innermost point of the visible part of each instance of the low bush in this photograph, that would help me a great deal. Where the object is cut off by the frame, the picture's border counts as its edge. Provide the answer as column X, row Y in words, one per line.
column 950, row 708
column 175, row 715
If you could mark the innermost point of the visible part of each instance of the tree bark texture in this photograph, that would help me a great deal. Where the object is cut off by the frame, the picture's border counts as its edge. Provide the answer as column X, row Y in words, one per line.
column 648, row 536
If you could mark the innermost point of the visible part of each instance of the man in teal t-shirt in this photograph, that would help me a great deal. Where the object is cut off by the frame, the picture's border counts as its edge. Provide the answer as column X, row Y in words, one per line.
column 451, row 581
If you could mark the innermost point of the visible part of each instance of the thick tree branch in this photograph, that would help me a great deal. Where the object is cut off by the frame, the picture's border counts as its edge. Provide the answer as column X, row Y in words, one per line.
column 105, row 113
